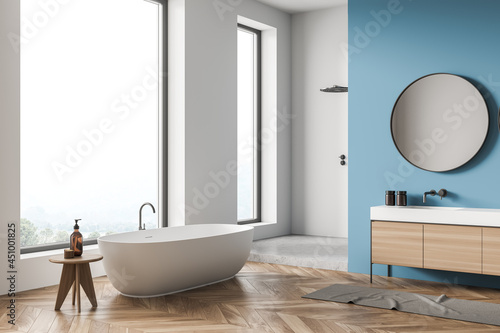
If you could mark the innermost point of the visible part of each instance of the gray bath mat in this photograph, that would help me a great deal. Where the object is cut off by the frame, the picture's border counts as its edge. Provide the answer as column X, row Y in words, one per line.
column 436, row 306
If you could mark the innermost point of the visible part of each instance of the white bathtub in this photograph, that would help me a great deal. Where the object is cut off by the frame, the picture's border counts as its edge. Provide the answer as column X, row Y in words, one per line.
column 156, row 262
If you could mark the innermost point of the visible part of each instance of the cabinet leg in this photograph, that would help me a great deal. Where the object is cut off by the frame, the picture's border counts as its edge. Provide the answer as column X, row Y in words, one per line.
column 388, row 270
column 371, row 272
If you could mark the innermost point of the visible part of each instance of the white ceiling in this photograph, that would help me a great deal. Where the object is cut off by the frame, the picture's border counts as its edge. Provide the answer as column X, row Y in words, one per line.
column 298, row 6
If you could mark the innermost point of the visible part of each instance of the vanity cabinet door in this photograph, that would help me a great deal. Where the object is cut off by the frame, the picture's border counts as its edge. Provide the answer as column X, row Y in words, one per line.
column 491, row 251
column 397, row 243
column 452, row 248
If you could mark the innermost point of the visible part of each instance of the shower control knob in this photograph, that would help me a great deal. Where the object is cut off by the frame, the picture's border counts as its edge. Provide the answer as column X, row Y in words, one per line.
column 342, row 159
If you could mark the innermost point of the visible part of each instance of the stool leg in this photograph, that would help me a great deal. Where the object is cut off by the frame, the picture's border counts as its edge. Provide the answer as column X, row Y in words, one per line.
column 67, row 279
column 77, row 284
column 87, row 283
column 74, row 292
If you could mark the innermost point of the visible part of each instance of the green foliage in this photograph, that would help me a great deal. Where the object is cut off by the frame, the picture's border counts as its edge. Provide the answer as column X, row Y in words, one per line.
column 46, row 236
column 28, row 235
column 94, row 234
column 61, row 236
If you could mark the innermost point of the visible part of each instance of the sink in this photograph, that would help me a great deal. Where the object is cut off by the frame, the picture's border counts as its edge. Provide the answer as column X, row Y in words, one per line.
column 432, row 207
column 440, row 215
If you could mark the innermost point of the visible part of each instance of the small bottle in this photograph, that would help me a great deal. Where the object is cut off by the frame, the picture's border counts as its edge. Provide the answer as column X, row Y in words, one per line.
column 401, row 198
column 390, row 198
column 76, row 240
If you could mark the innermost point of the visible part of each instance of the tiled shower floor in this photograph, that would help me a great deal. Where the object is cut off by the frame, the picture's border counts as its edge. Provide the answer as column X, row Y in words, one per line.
column 305, row 251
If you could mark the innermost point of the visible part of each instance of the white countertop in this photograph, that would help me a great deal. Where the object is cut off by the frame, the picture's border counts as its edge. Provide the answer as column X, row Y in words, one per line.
column 439, row 215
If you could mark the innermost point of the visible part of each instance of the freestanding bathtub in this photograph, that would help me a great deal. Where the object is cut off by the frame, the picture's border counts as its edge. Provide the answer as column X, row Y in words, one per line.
column 156, row 262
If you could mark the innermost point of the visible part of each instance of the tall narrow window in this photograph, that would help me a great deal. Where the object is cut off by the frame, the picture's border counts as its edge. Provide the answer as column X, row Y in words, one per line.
column 91, row 104
column 249, row 109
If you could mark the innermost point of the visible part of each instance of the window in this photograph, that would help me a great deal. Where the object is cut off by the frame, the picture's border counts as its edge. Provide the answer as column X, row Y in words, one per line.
column 91, row 119
column 249, row 115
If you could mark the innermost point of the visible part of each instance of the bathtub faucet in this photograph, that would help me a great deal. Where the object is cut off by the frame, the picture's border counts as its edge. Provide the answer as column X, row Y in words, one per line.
column 143, row 226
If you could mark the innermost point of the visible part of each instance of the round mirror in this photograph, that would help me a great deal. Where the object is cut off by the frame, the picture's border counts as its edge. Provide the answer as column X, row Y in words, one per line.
column 439, row 122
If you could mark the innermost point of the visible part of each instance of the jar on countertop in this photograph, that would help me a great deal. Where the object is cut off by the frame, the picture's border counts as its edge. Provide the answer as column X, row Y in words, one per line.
column 401, row 199
column 390, row 198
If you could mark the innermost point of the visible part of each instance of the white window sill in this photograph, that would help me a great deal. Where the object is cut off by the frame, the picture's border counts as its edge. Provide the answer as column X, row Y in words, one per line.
column 94, row 248
column 260, row 224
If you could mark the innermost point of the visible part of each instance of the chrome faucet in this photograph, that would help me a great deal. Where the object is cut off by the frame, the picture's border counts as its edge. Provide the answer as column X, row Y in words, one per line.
column 143, row 226
column 431, row 193
column 442, row 193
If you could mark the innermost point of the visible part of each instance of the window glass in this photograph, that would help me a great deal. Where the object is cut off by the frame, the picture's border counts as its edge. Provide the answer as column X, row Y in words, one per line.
column 248, row 124
column 89, row 117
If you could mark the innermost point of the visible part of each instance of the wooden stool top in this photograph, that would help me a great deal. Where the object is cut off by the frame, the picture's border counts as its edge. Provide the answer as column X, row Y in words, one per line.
column 83, row 259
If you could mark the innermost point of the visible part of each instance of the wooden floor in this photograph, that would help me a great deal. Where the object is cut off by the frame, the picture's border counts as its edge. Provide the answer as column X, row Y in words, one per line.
column 261, row 298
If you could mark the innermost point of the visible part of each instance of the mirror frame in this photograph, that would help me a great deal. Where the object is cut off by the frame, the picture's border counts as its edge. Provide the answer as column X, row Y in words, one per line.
column 483, row 140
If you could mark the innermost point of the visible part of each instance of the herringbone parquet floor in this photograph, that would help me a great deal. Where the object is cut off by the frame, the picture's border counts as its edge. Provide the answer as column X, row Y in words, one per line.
column 261, row 298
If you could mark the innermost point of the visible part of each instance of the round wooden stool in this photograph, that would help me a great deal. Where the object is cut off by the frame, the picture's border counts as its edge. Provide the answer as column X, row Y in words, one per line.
column 76, row 272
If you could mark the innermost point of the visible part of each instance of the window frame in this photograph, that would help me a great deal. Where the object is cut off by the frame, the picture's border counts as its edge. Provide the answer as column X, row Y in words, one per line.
column 258, row 127
column 163, row 134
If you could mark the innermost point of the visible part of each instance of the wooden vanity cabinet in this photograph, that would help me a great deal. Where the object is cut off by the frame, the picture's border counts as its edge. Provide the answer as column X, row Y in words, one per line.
column 452, row 248
column 397, row 243
column 459, row 248
column 491, row 251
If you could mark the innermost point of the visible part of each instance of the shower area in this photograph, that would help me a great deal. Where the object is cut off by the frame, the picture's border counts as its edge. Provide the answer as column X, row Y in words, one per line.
column 320, row 159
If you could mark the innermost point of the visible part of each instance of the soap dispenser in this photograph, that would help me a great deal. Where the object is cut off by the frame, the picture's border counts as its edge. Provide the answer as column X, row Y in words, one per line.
column 76, row 240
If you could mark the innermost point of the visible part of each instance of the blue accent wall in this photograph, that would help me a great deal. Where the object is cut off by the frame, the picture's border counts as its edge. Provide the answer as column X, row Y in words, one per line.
column 388, row 52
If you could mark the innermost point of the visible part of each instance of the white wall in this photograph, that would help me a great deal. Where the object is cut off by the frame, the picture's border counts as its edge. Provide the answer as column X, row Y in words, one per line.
column 9, row 129
column 210, row 111
column 176, row 117
column 320, row 127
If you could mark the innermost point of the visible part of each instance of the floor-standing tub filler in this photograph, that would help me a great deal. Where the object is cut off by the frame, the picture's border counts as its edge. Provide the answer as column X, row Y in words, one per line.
column 156, row 262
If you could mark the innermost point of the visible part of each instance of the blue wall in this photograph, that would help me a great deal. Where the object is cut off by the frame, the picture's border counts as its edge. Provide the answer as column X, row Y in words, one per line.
column 385, row 55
